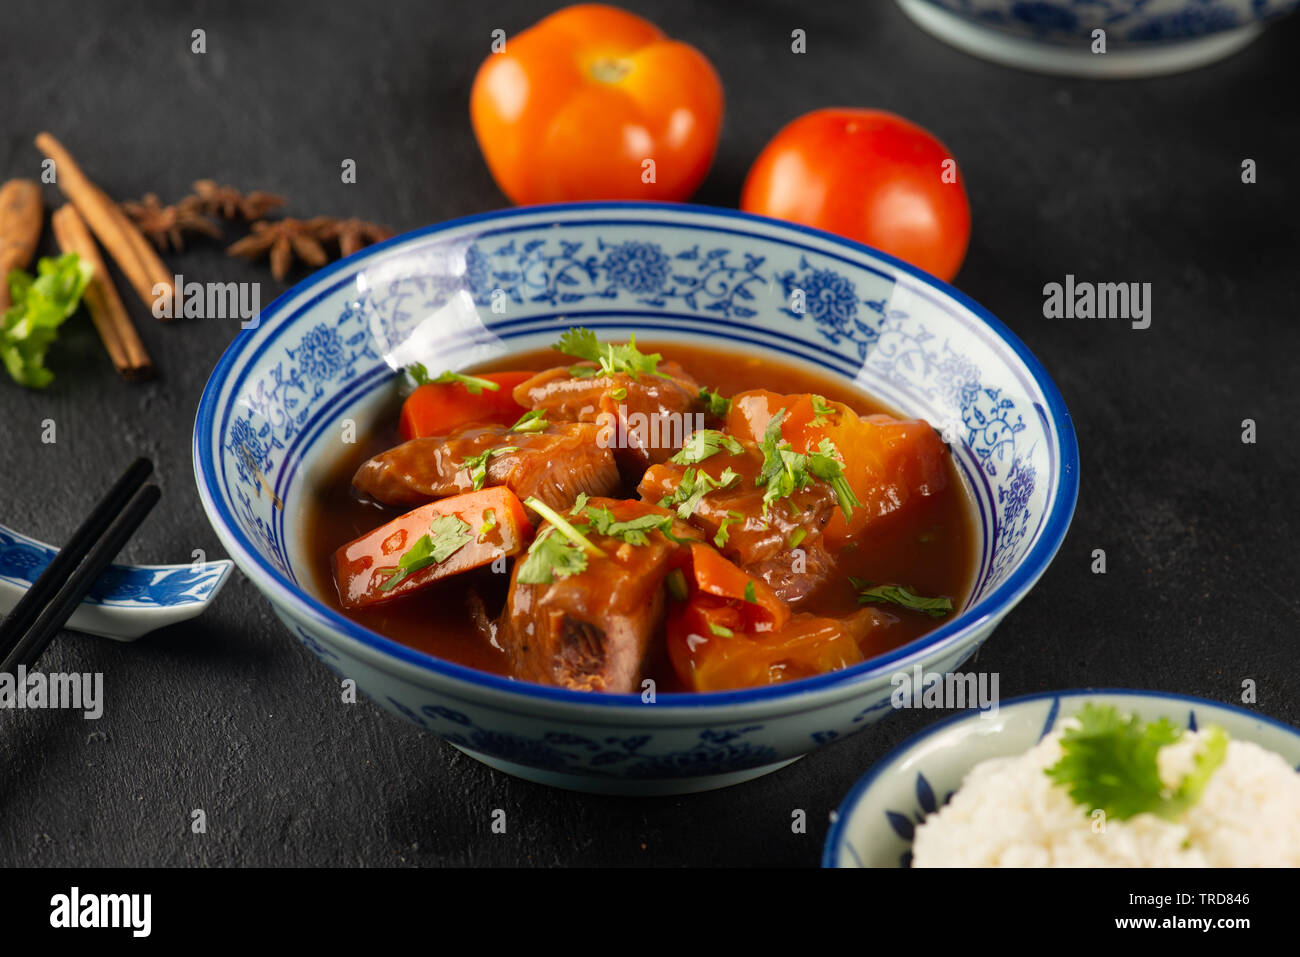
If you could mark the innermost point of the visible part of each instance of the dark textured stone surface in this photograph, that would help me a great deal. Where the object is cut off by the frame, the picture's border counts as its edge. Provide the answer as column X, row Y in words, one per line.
column 1112, row 182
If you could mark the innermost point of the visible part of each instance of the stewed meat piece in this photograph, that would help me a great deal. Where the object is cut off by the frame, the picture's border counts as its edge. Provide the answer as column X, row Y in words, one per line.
column 555, row 465
column 591, row 629
column 645, row 418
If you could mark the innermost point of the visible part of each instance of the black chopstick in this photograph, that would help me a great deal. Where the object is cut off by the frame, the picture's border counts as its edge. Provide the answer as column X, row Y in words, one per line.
column 55, row 595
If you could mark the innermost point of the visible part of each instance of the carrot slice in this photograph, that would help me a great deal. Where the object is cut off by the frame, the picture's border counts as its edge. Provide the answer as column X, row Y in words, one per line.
column 463, row 532
column 442, row 408
column 715, row 575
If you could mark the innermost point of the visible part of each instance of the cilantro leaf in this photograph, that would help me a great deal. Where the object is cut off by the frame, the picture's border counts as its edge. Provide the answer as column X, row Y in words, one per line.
column 477, row 465
column 825, row 464
column 489, row 523
column 612, row 359
column 39, row 306
column 703, row 444
column 694, row 485
column 533, row 420
column 724, row 527
column 715, row 404
column 447, row 535
column 785, row 471
column 1110, row 761
column 473, row 384
column 634, row 531
column 550, row 556
column 899, row 595
column 559, row 551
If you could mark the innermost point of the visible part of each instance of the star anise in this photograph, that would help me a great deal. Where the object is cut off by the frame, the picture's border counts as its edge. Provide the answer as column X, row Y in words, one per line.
column 282, row 239
column 167, row 225
column 351, row 234
column 229, row 203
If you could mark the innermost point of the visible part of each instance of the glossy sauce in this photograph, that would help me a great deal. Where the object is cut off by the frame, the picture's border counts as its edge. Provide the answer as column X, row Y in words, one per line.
column 930, row 547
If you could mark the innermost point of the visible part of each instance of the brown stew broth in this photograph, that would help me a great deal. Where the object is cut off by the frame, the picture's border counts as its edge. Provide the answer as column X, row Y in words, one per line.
column 929, row 547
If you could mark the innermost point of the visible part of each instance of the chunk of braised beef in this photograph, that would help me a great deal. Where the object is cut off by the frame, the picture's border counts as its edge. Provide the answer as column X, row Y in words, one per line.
column 645, row 419
column 785, row 547
column 555, row 465
column 594, row 630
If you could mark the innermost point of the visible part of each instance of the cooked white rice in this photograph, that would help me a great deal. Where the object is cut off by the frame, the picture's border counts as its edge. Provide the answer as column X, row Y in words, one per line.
column 1008, row 813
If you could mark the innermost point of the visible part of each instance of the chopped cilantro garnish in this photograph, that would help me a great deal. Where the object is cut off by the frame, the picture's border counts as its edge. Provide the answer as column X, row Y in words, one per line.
column 721, row 631
column 447, row 535
column 559, row 551
column 550, row 556
column 634, row 531
column 724, row 532
column 611, row 358
column 825, row 464
column 473, row 384
column 797, row 536
column 786, row 471
column 561, row 524
column 715, row 404
column 694, row 485
column 619, row 394
column 898, row 595
column 1110, row 762
column 750, row 596
column 489, row 522
column 579, row 504
column 703, row 444
column 477, row 464
column 533, row 420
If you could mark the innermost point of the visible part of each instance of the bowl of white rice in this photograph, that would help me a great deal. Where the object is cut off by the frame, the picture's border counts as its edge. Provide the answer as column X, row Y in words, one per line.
column 1106, row 778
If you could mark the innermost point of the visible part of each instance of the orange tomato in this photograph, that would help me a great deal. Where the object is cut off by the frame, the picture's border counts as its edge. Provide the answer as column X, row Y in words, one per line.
column 866, row 175
column 574, row 106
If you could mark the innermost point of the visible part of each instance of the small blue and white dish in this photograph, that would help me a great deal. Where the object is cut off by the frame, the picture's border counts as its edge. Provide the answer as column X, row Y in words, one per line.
column 126, row 601
column 1141, row 37
column 873, row 827
column 326, row 351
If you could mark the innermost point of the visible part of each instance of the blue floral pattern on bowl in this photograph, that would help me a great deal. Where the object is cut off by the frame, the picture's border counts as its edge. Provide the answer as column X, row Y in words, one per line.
column 481, row 288
column 1131, row 22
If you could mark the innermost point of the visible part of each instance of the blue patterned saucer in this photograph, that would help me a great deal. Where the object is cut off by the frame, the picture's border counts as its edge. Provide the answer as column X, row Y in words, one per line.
column 126, row 601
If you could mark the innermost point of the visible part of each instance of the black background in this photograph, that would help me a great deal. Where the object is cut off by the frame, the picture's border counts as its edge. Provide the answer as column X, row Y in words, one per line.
column 1134, row 181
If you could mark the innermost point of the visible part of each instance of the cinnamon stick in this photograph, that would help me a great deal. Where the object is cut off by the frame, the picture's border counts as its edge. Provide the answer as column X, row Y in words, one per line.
column 101, row 299
column 119, row 236
column 21, row 210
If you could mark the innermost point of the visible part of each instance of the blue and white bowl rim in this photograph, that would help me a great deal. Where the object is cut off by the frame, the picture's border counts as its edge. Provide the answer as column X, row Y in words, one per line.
column 1006, row 594
column 837, row 835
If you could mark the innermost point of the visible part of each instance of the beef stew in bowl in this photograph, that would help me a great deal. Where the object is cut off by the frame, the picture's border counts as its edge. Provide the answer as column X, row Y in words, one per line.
column 298, row 403
column 596, row 517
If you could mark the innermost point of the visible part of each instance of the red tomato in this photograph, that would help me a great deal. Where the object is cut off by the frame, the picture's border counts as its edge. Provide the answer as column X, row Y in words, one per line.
column 866, row 175
column 575, row 105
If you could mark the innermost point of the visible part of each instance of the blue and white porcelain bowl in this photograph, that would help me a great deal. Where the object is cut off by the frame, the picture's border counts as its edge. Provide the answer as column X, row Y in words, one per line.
column 874, row 825
column 475, row 289
column 1141, row 37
